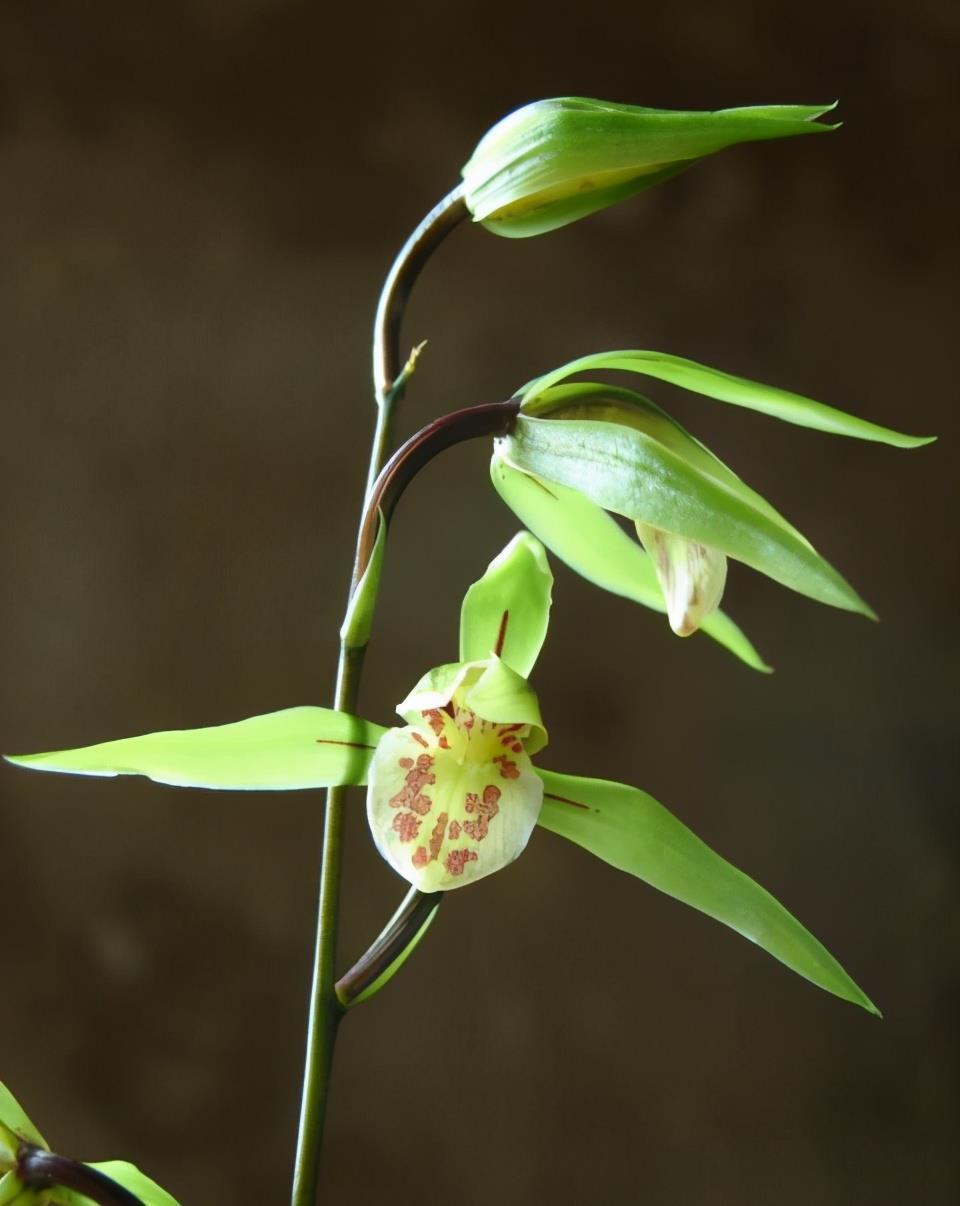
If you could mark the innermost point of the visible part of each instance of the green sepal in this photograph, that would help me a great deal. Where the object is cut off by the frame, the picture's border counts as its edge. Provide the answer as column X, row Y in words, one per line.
column 712, row 383
column 610, row 404
column 13, row 1192
column 507, row 611
column 358, row 622
column 629, row 830
column 629, row 472
column 125, row 1174
column 282, row 751
column 488, row 688
column 15, row 1128
column 594, row 546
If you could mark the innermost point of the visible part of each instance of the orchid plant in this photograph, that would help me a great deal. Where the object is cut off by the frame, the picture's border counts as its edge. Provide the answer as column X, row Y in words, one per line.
column 453, row 794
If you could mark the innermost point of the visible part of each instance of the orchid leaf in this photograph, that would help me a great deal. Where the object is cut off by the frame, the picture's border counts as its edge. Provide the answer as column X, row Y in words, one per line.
column 125, row 1174
column 629, row 830
column 712, row 383
column 507, row 611
column 629, row 472
column 594, row 545
column 296, row 748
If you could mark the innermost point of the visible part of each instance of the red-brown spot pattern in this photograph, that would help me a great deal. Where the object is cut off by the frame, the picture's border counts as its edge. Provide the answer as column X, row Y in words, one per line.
column 406, row 826
column 456, row 860
column 485, row 808
column 508, row 769
column 454, row 831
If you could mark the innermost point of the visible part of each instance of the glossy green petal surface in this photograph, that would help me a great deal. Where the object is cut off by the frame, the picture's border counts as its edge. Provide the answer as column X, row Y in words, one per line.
column 712, row 383
column 125, row 1174
column 296, row 748
column 629, row 472
column 594, row 545
column 630, row 830
column 12, row 1191
column 507, row 611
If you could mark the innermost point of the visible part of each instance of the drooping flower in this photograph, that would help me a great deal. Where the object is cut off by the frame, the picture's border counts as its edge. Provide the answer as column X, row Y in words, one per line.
column 453, row 794
column 554, row 161
column 579, row 450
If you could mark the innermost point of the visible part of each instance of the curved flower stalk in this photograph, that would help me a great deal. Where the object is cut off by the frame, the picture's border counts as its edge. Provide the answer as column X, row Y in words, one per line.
column 30, row 1174
column 554, row 161
column 453, row 795
column 580, row 450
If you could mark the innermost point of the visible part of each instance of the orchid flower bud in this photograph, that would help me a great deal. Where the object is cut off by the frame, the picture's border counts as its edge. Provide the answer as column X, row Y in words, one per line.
column 554, row 161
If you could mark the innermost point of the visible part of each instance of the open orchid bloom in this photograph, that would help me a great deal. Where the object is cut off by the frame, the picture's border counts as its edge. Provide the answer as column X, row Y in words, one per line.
column 453, row 795
column 18, row 1132
column 580, row 450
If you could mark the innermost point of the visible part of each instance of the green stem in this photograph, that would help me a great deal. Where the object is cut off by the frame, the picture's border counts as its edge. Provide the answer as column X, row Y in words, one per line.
column 325, row 1010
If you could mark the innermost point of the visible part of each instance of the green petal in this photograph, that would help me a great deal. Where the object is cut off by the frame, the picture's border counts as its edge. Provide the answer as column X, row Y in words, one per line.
column 767, row 399
column 631, row 831
column 15, row 1128
column 594, row 545
column 506, row 613
column 631, row 473
column 125, row 1174
column 447, row 804
column 295, row 748
column 489, row 688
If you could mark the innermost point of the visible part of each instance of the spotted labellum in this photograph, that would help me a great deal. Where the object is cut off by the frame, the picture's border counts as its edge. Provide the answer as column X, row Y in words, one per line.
column 453, row 794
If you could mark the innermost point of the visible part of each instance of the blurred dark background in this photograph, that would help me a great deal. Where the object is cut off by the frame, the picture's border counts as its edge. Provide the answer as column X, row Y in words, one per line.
column 200, row 199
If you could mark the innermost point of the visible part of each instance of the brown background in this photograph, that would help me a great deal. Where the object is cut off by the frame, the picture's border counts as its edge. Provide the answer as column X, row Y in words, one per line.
column 199, row 201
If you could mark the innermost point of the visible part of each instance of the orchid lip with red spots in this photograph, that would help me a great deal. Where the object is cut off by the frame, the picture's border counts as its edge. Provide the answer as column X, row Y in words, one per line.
column 453, row 797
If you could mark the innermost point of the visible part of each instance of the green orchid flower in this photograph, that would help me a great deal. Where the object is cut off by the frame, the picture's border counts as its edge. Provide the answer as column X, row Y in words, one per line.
column 25, row 1179
column 453, row 795
column 580, row 450
column 558, row 160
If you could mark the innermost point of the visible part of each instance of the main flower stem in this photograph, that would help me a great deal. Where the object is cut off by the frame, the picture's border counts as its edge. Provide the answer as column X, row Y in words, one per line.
column 325, row 1010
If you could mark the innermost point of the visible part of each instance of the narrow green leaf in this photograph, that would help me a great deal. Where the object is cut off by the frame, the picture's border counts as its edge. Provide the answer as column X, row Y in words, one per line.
column 507, row 611
column 125, row 1174
column 357, row 623
column 594, row 545
column 627, row 471
column 296, row 748
column 629, row 830
column 712, row 383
